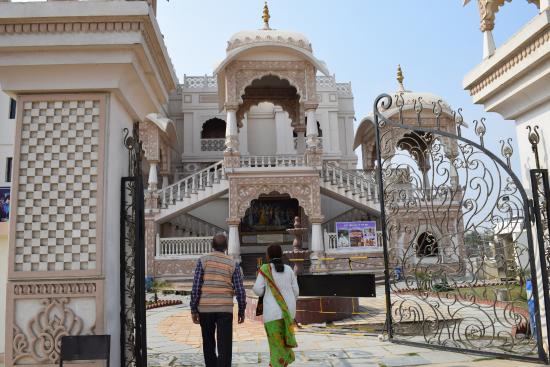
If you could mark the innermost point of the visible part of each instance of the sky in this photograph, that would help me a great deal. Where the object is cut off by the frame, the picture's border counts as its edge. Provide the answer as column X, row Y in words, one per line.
column 436, row 42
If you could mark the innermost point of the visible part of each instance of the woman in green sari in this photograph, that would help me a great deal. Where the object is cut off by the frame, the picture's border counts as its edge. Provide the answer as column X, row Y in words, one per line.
column 277, row 284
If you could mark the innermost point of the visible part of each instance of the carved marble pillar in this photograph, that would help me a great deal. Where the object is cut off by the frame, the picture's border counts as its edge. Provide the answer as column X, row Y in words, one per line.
column 317, row 243
column 231, row 129
column 243, row 136
column 233, row 240
column 312, row 132
column 152, row 182
column 317, row 246
column 150, row 245
column 301, row 141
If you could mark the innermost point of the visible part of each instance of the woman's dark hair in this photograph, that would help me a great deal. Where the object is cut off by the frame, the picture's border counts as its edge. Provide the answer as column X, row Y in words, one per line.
column 275, row 254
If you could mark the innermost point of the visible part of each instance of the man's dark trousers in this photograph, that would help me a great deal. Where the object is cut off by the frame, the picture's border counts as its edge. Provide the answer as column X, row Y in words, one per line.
column 221, row 324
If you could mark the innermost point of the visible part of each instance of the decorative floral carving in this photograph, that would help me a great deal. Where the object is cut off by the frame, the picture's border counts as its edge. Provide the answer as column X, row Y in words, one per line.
column 513, row 60
column 174, row 267
column 29, row 289
column 245, row 189
column 300, row 74
column 259, row 38
column 42, row 341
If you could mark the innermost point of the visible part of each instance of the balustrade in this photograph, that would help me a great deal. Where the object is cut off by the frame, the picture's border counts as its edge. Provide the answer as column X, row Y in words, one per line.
column 272, row 161
column 175, row 247
column 358, row 184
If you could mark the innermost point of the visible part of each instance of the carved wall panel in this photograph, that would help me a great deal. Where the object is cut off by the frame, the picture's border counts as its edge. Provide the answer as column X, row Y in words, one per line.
column 175, row 267
column 58, row 170
column 44, row 312
column 150, row 244
column 242, row 190
column 56, row 233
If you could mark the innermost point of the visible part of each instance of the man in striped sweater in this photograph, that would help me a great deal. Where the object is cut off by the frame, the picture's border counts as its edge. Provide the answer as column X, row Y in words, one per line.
column 217, row 279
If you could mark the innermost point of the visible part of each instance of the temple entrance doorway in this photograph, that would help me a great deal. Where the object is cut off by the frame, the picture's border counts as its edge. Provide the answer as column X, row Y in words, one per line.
column 266, row 222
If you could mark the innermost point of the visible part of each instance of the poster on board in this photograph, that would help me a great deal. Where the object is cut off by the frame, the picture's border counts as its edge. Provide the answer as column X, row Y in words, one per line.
column 356, row 234
column 4, row 204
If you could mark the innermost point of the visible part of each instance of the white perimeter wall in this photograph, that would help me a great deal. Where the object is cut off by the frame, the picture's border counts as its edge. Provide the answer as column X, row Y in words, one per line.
column 7, row 136
column 3, row 282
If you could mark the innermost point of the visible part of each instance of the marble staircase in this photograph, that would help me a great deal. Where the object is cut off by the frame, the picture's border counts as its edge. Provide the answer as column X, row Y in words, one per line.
column 192, row 191
column 359, row 191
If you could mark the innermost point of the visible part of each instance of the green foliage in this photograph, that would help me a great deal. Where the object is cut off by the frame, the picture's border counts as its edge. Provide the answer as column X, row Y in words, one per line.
column 157, row 286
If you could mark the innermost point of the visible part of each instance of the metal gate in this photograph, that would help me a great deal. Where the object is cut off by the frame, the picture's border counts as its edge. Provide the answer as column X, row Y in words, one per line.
column 457, row 235
column 132, row 258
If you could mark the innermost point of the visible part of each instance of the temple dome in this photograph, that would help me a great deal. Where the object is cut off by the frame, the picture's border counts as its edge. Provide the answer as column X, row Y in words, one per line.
column 268, row 37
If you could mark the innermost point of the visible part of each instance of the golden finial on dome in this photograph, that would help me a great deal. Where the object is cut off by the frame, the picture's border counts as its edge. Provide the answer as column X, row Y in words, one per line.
column 266, row 16
column 400, row 77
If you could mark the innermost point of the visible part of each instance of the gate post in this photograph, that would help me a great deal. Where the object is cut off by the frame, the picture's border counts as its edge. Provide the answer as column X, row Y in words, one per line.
column 540, row 187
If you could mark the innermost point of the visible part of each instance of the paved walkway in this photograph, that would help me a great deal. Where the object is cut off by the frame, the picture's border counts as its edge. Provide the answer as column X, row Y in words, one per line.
column 173, row 340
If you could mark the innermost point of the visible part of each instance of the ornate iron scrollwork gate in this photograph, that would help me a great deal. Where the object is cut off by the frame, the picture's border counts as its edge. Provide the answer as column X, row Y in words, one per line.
column 457, row 235
column 132, row 258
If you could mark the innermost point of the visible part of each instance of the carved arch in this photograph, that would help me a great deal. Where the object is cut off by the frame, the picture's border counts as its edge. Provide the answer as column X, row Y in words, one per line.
column 240, row 74
column 292, row 76
column 290, row 106
column 245, row 189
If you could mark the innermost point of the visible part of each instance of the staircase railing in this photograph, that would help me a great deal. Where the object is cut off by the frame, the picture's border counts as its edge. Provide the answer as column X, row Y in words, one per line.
column 350, row 181
column 192, row 184
column 262, row 161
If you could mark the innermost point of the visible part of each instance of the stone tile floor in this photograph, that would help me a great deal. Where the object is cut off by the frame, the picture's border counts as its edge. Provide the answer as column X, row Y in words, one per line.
column 173, row 340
